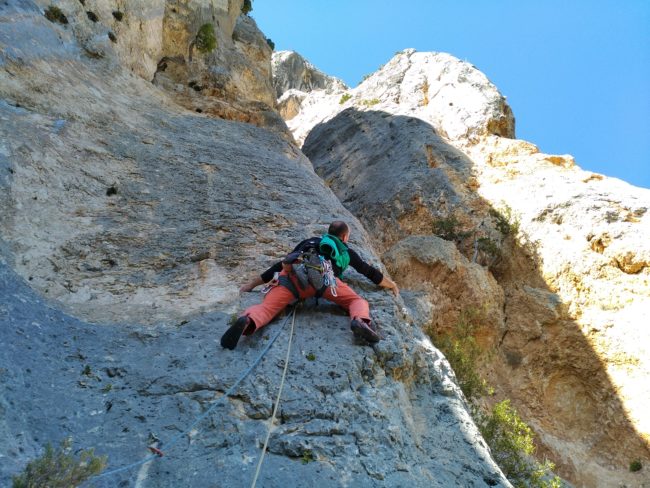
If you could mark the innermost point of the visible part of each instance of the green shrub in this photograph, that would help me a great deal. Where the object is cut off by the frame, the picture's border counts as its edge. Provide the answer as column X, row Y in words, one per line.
column 511, row 442
column 461, row 350
column 308, row 456
column 509, row 437
column 635, row 466
column 59, row 468
column 488, row 246
column 344, row 98
column 369, row 103
column 311, row 356
column 505, row 221
column 270, row 43
column 448, row 229
column 247, row 7
column 54, row 14
column 205, row 40
column 118, row 15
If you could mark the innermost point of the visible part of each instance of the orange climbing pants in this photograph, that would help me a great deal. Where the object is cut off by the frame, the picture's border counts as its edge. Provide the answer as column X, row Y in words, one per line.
column 279, row 297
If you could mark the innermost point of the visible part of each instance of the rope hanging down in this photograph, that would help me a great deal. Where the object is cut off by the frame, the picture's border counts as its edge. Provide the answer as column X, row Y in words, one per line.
column 277, row 402
column 214, row 405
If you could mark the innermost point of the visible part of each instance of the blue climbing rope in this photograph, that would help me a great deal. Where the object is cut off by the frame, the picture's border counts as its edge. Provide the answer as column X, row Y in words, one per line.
column 201, row 417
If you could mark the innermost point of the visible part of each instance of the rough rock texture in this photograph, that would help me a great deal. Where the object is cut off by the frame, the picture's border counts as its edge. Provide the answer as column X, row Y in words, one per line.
column 289, row 103
column 589, row 238
column 452, row 95
column 423, row 147
column 294, row 78
column 156, row 40
column 434, row 265
column 232, row 82
column 293, row 72
column 126, row 225
column 388, row 417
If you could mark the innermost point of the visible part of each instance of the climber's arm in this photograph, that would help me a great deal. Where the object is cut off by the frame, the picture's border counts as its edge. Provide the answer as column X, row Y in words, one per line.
column 370, row 272
column 263, row 278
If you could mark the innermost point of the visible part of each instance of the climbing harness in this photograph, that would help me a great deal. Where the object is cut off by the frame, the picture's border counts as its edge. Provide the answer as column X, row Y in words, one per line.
column 158, row 453
column 310, row 269
column 277, row 402
column 285, row 281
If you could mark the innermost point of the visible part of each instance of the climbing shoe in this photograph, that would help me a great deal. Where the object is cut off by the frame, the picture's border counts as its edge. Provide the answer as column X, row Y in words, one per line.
column 364, row 331
column 231, row 337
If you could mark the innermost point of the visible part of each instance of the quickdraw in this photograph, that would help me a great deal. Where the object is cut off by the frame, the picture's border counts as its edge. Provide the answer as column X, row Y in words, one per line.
column 329, row 279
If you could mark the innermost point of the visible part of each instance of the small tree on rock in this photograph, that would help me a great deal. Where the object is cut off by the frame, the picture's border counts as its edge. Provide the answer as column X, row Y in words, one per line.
column 58, row 468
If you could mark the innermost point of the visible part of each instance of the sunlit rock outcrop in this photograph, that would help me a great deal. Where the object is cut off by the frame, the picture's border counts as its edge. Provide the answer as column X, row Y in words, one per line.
column 425, row 146
column 294, row 77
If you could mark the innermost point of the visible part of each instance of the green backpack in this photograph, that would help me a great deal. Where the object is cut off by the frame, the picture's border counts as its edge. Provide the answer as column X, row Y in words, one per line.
column 339, row 252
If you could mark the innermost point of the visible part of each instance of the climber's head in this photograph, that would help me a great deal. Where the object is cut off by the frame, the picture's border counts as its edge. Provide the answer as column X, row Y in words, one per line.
column 339, row 229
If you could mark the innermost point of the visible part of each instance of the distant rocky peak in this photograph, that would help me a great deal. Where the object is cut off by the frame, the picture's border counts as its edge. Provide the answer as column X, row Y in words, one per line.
column 292, row 71
column 452, row 95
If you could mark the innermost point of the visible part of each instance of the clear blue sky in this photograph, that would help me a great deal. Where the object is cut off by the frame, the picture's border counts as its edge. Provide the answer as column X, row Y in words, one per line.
column 576, row 72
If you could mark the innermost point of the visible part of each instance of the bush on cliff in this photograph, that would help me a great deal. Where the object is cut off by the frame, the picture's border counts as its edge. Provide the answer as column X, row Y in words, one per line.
column 511, row 442
column 54, row 14
column 247, row 7
column 58, row 468
column 463, row 353
column 509, row 437
column 448, row 229
column 205, row 40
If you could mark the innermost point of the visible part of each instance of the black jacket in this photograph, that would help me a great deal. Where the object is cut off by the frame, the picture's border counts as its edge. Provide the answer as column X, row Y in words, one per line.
column 370, row 272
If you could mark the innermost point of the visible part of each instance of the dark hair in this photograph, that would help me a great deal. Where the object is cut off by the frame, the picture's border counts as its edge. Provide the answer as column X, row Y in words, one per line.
column 338, row 228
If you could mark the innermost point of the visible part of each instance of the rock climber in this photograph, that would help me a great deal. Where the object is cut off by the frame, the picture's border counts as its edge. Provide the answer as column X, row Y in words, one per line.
column 288, row 281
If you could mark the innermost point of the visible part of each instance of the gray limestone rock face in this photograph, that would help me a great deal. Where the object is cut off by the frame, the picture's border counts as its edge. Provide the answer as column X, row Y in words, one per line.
column 293, row 72
column 127, row 224
column 394, row 171
column 350, row 415
column 120, row 202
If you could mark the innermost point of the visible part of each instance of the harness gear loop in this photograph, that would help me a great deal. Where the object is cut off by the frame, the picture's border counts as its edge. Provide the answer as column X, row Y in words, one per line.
column 277, row 401
column 284, row 280
column 312, row 269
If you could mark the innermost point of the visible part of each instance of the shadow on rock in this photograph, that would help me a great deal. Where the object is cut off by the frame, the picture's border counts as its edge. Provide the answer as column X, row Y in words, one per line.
column 409, row 187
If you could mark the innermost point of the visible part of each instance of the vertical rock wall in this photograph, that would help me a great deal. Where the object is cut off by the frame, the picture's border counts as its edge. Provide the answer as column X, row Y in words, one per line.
column 127, row 223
